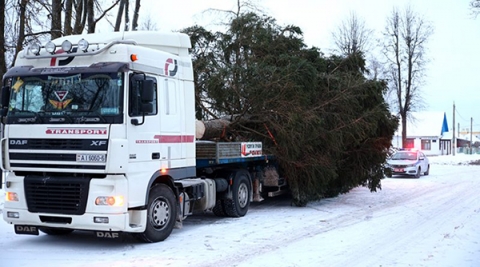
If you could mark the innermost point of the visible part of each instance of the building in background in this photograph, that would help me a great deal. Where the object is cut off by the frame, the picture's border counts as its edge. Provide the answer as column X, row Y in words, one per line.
column 426, row 131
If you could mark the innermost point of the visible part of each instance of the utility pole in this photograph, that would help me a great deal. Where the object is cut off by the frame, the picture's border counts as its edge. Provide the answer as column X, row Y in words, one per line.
column 471, row 140
column 454, row 146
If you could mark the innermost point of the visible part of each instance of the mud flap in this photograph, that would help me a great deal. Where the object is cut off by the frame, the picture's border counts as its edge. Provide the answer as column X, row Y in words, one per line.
column 26, row 230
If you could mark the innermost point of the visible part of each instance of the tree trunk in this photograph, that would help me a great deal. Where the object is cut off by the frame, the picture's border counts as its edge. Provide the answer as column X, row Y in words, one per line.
column 3, row 63
column 127, row 16
column 136, row 13
column 90, row 16
column 404, row 130
column 80, row 16
column 21, row 28
column 67, row 25
column 118, row 21
column 213, row 129
column 56, row 28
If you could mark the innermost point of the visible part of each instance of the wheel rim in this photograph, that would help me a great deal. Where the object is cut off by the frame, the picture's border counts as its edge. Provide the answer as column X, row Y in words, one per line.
column 160, row 213
column 243, row 195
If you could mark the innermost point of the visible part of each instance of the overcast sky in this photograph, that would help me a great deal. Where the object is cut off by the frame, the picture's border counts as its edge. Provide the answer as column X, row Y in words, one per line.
column 453, row 73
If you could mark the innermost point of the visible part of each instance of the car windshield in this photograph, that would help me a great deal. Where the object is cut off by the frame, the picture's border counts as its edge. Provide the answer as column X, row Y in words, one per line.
column 71, row 96
column 405, row 156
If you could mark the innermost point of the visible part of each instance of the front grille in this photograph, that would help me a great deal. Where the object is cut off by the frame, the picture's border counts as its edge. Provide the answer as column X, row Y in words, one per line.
column 37, row 156
column 59, row 195
column 58, row 144
column 399, row 166
column 56, row 154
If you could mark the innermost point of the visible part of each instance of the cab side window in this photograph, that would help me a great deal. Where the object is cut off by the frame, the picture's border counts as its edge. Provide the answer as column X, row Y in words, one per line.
column 136, row 85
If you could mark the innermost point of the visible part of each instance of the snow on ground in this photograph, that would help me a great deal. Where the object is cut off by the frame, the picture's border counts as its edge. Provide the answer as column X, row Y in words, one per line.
column 431, row 221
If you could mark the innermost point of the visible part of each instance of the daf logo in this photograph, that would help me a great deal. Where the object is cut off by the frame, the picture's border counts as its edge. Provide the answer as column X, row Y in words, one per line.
column 98, row 143
column 18, row 142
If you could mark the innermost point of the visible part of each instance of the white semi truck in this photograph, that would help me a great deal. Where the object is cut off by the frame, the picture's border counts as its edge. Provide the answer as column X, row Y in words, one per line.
column 99, row 135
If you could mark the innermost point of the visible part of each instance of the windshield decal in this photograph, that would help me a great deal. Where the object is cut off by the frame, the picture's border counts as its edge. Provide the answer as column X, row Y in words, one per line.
column 17, row 85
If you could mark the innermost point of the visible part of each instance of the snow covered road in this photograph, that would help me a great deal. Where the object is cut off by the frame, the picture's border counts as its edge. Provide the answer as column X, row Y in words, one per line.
column 431, row 221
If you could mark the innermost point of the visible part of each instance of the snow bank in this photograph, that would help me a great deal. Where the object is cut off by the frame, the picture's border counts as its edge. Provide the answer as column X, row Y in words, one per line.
column 458, row 159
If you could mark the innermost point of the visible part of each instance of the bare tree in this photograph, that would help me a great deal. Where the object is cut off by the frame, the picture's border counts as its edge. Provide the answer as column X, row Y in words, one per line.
column 28, row 21
column 91, row 7
column 123, row 11
column 406, row 36
column 56, row 21
column 148, row 24
column 21, row 29
column 136, row 13
column 352, row 36
column 475, row 7
column 118, row 21
column 3, row 61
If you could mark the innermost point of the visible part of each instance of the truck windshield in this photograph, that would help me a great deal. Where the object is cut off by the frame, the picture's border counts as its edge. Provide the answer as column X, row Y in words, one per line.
column 78, row 98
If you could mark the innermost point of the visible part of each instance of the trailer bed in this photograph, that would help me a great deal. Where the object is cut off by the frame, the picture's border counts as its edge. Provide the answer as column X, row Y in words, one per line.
column 209, row 153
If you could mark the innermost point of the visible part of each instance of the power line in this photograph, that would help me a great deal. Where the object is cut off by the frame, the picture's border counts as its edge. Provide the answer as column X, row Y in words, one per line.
column 461, row 117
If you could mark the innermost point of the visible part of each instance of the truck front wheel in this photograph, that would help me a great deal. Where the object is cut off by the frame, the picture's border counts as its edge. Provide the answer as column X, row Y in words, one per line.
column 241, row 188
column 161, row 214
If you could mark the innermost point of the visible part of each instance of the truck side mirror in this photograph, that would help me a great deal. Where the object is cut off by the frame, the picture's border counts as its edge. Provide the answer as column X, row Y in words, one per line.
column 147, row 107
column 147, row 95
column 148, row 91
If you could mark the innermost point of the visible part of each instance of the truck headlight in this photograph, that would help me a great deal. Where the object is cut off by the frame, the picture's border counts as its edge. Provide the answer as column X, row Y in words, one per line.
column 11, row 196
column 109, row 201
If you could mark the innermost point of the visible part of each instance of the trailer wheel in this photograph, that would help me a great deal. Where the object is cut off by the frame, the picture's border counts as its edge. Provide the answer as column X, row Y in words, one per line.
column 55, row 231
column 238, row 206
column 161, row 214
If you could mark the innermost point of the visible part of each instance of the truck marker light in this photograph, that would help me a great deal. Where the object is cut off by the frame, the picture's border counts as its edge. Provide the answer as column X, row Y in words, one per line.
column 133, row 57
column 11, row 196
column 163, row 170
column 109, row 201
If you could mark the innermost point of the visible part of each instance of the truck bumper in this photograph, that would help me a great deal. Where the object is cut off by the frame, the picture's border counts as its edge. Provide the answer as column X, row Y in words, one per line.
column 94, row 217
column 87, row 221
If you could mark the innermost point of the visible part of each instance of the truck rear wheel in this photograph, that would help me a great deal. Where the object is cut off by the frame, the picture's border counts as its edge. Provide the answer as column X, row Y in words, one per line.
column 55, row 231
column 241, row 188
column 161, row 214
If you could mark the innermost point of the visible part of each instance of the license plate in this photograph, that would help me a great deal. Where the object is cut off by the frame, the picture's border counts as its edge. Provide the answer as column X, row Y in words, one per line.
column 26, row 230
column 398, row 170
column 91, row 158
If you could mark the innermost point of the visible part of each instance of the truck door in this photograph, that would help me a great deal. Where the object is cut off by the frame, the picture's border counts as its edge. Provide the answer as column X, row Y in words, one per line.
column 143, row 122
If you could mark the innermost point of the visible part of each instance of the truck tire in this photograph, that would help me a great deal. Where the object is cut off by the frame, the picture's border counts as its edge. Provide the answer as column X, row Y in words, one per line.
column 219, row 209
column 161, row 214
column 55, row 231
column 241, row 188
